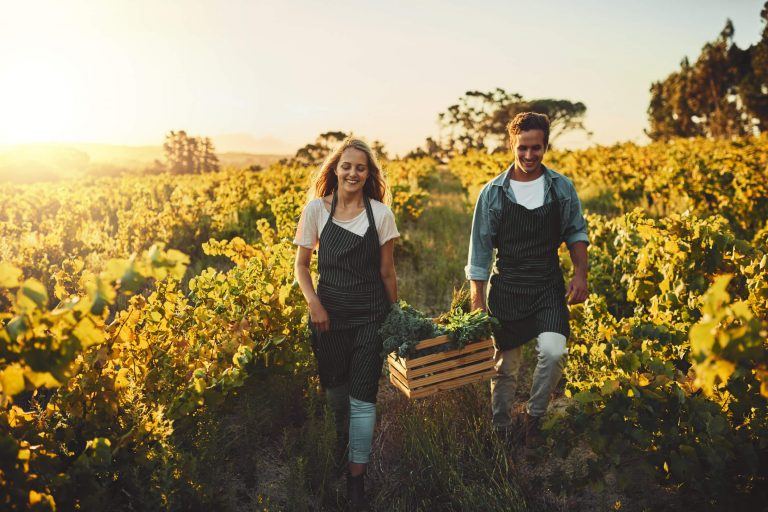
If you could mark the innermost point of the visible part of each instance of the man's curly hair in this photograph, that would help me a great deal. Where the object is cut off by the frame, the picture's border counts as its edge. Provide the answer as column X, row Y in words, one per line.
column 525, row 121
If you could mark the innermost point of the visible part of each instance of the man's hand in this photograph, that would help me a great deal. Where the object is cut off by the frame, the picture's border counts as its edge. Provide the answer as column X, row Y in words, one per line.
column 577, row 290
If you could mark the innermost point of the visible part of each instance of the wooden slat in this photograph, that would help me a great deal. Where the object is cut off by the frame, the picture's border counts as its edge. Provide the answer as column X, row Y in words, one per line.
column 450, row 384
column 399, row 385
column 451, row 374
column 399, row 376
column 432, row 342
column 397, row 363
column 440, row 356
column 450, row 363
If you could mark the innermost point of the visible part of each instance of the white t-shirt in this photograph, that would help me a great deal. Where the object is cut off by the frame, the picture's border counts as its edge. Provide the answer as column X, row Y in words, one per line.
column 314, row 217
column 529, row 193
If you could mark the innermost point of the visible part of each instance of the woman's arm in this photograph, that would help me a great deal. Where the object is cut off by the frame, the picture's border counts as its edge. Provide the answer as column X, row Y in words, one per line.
column 388, row 270
column 317, row 313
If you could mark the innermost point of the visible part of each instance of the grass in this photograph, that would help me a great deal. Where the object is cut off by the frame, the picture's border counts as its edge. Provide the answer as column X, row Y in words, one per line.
column 431, row 256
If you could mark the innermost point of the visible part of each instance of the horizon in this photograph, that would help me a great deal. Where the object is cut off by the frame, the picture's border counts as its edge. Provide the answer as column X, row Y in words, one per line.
column 126, row 74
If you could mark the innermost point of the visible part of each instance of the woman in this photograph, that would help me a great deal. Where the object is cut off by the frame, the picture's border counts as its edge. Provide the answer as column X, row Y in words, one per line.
column 353, row 232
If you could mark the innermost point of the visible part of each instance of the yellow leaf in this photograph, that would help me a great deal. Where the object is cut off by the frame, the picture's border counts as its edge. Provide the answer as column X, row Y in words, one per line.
column 642, row 380
column 88, row 333
column 702, row 336
column 35, row 498
column 671, row 246
column 121, row 380
column 716, row 295
column 10, row 276
column 741, row 308
column 32, row 295
column 723, row 369
column 41, row 379
column 12, row 380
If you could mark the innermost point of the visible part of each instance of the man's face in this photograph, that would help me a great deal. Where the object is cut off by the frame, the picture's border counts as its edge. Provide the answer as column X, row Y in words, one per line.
column 529, row 149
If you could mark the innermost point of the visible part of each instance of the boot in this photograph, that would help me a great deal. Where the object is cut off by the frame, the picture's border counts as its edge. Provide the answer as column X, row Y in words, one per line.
column 356, row 493
column 532, row 435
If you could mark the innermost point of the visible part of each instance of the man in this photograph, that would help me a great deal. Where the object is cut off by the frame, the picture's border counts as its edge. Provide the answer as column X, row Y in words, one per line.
column 526, row 213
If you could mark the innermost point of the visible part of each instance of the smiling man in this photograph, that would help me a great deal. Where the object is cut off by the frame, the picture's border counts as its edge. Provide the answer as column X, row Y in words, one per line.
column 526, row 213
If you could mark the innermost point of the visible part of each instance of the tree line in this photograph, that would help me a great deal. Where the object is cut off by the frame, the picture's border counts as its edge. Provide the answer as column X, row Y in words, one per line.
column 723, row 94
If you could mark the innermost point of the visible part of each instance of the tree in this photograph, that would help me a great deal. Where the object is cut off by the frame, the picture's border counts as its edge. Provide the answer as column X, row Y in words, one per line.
column 479, row 120
column 313, row 154
column 189, row 155
column 723, row 94
column 431, row 149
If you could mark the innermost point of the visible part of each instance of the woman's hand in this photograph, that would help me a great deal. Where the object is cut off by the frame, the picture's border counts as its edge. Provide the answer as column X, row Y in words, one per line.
column 319, row 316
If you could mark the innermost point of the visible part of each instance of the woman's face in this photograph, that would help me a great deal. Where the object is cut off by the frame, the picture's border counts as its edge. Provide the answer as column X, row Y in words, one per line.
column 352, row 170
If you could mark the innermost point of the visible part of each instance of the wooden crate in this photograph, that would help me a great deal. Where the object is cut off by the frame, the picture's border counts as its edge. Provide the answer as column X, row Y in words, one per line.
column 423, row 376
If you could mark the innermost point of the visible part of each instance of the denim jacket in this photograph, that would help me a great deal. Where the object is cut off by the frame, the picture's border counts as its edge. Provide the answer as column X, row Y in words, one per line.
column 485, row 222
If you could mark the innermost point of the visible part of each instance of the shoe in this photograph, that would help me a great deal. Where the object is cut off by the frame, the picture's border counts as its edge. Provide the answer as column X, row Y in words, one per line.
column 532, row 435
column 356, row 493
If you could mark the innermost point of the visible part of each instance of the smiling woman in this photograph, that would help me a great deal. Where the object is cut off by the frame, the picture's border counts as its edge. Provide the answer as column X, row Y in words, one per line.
column 356, row 288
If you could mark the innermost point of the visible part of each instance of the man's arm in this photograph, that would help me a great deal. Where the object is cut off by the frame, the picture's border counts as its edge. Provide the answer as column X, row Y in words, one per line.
column 577, row 288
column 480, row 249
column 577, row 241
column 477, row 294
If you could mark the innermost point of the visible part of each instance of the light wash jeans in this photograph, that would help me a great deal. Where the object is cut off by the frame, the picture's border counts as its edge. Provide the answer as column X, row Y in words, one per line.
column 551, row 350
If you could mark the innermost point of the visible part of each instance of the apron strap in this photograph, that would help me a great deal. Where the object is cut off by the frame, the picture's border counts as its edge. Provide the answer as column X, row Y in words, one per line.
column 371, row 220
column 333, row 208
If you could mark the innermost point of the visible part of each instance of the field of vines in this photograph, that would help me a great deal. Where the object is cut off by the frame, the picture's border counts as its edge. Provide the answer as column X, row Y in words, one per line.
column 668, row 362
column 111, row 339
column 132, row 308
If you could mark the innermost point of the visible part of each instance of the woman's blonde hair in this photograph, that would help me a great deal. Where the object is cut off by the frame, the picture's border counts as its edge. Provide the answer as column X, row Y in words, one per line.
column 325, row 181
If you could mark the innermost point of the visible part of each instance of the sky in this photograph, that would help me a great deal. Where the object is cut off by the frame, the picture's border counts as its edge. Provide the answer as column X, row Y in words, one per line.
column 269, row 76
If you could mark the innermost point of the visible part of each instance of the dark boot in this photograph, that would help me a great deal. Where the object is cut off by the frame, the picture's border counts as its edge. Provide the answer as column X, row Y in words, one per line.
column 532, row 432
column 356, row 493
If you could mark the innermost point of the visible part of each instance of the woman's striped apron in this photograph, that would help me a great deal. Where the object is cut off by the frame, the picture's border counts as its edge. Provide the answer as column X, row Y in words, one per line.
column 352, row 292
column 527, row 292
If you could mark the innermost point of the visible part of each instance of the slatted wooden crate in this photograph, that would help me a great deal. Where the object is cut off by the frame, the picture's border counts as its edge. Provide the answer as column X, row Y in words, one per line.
column 423, row 376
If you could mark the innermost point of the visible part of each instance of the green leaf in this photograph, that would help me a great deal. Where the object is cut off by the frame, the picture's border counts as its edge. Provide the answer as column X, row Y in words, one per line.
column 98, row 452
column 609, row 387
column 587, row 397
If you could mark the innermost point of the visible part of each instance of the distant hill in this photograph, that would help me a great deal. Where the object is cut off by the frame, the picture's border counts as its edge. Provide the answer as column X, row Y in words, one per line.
column 28, row 163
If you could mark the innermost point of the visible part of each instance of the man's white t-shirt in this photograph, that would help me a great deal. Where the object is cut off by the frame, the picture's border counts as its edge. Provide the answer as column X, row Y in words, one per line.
column 315, row 215
column 529, row 193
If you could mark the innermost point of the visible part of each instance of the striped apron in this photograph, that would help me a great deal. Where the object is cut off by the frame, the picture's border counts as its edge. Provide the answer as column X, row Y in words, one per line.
column 352, row 292
column 527, row 291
